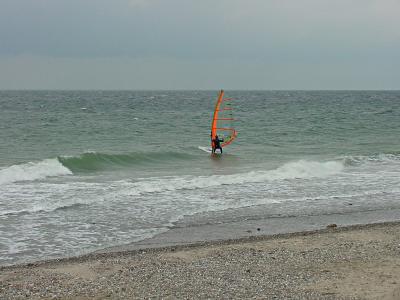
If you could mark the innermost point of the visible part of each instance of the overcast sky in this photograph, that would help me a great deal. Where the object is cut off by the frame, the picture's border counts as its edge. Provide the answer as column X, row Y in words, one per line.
column 199, row 44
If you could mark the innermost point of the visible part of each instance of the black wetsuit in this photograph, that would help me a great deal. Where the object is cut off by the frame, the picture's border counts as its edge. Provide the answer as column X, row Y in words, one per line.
column 217, row 144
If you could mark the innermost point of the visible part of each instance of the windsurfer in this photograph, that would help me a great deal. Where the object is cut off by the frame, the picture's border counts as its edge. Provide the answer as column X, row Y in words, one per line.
column 217, row 144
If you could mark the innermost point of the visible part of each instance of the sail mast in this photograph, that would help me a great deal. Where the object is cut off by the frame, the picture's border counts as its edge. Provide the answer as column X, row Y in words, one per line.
column 215, row 116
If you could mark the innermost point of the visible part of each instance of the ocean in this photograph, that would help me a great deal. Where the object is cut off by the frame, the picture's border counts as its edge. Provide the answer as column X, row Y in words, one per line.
column 87, row 170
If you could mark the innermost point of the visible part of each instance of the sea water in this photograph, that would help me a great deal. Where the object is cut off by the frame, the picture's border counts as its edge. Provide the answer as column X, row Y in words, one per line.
column 85, row 170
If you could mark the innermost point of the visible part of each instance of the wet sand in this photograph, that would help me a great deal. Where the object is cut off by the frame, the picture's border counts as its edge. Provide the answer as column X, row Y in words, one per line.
column 355, row 262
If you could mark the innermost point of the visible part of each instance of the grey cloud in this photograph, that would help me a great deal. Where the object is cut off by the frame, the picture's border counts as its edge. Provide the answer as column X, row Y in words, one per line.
column 280, row 36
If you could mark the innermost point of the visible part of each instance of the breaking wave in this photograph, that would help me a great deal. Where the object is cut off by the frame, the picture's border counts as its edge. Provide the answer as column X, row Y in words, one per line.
column 301, row 169
column 93, row 161
column 33, row 171
column 86, row 162
column 124, row 189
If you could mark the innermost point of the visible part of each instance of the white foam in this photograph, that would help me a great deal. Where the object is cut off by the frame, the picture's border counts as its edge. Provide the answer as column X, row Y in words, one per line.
column 33, row 171
column 33, row 197
column 308, row 169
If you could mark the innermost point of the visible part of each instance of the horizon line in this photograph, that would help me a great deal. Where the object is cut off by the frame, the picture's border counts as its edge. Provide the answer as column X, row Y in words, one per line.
column 187, row 90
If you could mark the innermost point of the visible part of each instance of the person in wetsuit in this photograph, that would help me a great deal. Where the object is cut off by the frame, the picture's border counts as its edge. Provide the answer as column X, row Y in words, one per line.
column 217, row 144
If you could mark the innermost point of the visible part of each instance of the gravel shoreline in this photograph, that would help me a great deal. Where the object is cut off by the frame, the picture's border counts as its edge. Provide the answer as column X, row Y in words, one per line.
column 354, row 262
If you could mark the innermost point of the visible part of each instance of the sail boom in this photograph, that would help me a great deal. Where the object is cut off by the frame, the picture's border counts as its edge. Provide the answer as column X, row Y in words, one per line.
column 222, row 128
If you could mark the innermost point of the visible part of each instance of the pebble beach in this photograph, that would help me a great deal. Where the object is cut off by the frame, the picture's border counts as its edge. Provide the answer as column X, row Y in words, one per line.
column 354, row 262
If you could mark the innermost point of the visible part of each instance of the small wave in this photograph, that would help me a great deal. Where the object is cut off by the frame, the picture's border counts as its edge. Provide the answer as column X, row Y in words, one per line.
column 94, row 161
column 68, row 206
column 354, row 160
column 48, row 208
column 294, row 170
column 15, row 212
column 33, row 171
column 383, row 111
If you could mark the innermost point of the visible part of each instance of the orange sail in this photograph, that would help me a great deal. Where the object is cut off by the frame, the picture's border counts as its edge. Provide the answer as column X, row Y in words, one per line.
column 222, row 121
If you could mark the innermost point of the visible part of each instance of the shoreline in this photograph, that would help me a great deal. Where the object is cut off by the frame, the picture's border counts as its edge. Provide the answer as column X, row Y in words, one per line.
column 351, row 262
column 199, row 231
column 109, row 252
